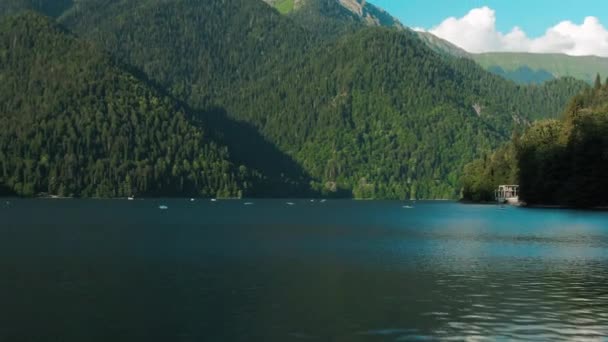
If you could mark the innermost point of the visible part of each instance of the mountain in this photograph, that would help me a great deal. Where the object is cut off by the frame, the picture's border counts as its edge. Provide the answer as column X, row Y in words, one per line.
column 364, row 110
column 329, row 19
column 361, row 9
column 73, row 123
column 332, row 18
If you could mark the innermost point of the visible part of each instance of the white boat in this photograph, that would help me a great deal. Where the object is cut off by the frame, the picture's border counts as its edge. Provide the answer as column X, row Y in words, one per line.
column 290, row 203
column 163, row 207
column 213, row 200
column 130, row 198
column 192, row 200
column 248, row 203
column 408, row 207
column 507, row 194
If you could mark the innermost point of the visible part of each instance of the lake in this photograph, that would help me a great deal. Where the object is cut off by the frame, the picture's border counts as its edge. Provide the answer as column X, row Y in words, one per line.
column 117, row 270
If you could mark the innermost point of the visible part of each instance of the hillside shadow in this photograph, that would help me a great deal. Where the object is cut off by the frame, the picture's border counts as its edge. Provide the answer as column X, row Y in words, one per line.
column 54, row 8
column 279, row 175
column 282, row 176
column 6, row 191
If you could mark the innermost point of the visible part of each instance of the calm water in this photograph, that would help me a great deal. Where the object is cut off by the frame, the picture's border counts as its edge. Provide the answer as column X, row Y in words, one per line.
column 93, row 270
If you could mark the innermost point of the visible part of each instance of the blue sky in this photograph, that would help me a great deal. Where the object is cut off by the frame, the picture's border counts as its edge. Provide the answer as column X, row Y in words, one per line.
column 533, row 16
column 574, row 27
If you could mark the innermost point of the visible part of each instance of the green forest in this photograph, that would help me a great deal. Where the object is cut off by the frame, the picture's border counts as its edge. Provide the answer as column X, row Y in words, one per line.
column 232, row 98
column 98, row 132
column 555, row 162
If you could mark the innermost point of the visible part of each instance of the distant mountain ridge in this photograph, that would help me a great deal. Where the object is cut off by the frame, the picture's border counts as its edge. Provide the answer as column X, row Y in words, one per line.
column 522, row 68
column 559, row 65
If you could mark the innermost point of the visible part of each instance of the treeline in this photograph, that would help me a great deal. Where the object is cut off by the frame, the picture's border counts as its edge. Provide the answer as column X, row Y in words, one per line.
column 556, row 162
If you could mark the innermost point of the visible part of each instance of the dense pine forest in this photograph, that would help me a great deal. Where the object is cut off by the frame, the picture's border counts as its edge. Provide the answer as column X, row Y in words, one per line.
column 98, row 131
column 231, row 97
column 558, row 162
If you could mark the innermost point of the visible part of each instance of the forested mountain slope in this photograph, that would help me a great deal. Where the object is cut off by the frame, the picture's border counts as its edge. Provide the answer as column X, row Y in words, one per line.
column 197, row 49
column 73, row 123
column 374, row 112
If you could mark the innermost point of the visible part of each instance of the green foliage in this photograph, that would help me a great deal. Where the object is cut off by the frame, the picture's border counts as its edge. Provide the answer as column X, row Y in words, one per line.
column 568, row 165
column 188, row 45
column 482, row 177
column 74, row 124
column 284, row 6
column 561, row 162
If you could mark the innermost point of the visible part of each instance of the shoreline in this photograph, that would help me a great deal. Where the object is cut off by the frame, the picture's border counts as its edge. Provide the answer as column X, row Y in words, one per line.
column 464, row 202
column 557, row 206
column 538, row 206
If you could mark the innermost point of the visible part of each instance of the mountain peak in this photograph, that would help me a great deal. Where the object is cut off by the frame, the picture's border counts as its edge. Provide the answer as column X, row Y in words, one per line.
column 356, row 6
column 365, row 12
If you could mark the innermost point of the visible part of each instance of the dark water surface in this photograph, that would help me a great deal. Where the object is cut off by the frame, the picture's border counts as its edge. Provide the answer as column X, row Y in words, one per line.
column 97, row 270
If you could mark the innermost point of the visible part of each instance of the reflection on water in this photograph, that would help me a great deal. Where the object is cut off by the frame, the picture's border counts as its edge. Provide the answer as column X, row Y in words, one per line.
column 333, row 271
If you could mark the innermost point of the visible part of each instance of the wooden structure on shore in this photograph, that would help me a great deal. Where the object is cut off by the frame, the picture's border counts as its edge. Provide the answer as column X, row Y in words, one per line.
column 507, row 194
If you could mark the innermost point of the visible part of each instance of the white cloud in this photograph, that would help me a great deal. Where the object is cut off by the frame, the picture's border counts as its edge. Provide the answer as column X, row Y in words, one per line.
column 476, row 32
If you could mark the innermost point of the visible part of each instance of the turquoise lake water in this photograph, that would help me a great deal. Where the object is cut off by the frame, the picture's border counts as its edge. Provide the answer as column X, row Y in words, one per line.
column 117, row 270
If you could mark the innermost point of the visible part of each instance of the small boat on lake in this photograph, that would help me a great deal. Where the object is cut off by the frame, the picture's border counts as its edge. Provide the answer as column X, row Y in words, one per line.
column 507, row 194
column 163, row 207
